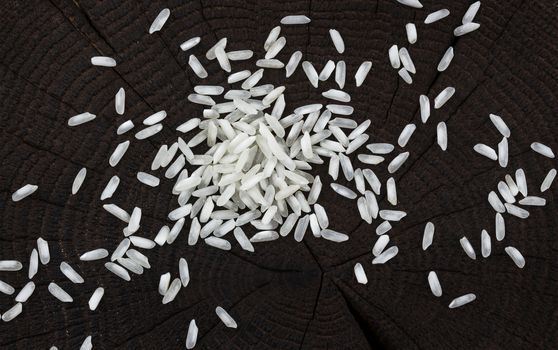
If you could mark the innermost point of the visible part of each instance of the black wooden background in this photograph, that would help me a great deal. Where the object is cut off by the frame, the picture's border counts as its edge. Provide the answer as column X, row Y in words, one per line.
column 285, row 295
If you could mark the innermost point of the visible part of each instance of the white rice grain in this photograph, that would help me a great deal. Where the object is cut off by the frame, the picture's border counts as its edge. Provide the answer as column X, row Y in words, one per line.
column 373, row 180
column 139, row 258
column 468, row 248
column 311, row 73
column 397, row 162
column 224, row 316
column 424, row 108
column 44, row 252
column 391, row 191
column 446, row 60
column 10, row 265
column 393, row 54
column 486, row 151
column 192, row 335
column 521, row 181
column 357, row 143
column 23, row 192
column 363, row 210
column 443, row 97
column 81, row 119
column 434, row 283
column 243, row 240
column 333, row 236
column 12, row 312
column 275, row 48
column 471, row 12
column 392, row 215
column 159, row 21
column 295, row 19
column 500, row 227
column 190, row 43
column 406, row 60
column 288, row 224
column 70, row 273
column 155, row 118
column 340, row 74
column 411, row 30
column 272, row 37
column 33, row 264
column 240, row 55
column 218, row 243
column 120, row 101
column 223, row 59
column 386, row 255
column 210, row 54
column 542, row 149
column 118, row 153
column 293, row 62
column 337, row 40
column 500, row 125
column 436, row 16
column 411, row 3
column 164, row 282
column 95, row 298
column 360, row 274
column 383, row 228
column 405, row 76
column 548, row 179
column 503, row 152
column 110, row 188
column 362, row 72
column 120, row 249
column 252, row 80
column 462, row 300
column 428, row 235
column 59, row 293
column 25, row 292
column 95, row 254
column 516, row 256
column 327, row 70
column 466, row 28
column 486, row 244
column 505, row 192
column 238, row 76
column 495, row 202
column 78, row 180
column 191, row 124
column 148, row 179
column 172, row 291
column 264, row 236
column 380, row 245
column 406, row 134
column 346, row 166
column 442, row 135
column 5, row 288
column 197, row 67
column 516, row 211
column 118, row 270
column 512, row 185
column 103, row 61
column 380, row 148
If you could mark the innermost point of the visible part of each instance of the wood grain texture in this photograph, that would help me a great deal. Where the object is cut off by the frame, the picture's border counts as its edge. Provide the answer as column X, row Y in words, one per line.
column 285, row 295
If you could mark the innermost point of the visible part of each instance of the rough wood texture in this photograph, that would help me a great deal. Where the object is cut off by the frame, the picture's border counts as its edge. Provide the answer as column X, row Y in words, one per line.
column 286, row 295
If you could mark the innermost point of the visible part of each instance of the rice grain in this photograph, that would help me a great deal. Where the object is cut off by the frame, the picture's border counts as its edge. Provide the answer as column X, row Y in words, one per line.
column 159, row 21
column 23, row 192
column 59, row 293
column 360, row 274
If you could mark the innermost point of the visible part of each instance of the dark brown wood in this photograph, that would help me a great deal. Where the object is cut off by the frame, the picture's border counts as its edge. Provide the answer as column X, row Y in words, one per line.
column 285, row 295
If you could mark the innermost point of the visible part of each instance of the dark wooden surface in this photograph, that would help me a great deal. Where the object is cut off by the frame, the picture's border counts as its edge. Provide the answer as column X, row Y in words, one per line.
column 285, row 295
